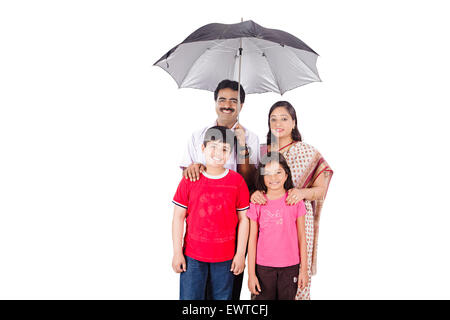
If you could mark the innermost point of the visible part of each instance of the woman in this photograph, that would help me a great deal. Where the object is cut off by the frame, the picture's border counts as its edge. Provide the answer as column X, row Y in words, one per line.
column 310, row 173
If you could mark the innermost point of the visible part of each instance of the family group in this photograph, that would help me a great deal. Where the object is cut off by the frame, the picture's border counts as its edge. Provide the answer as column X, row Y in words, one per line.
column 238, row 199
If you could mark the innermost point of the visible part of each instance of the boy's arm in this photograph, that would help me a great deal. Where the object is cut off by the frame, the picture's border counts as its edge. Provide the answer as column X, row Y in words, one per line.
column 238, row 264
column 178, row 262
column 243, row 230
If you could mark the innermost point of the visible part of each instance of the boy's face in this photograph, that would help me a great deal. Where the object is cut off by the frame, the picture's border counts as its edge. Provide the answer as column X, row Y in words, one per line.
column 216, row 153
column 227, row 105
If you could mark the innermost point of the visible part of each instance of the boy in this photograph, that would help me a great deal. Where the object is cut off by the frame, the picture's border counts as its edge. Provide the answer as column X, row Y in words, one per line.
column 212, row 206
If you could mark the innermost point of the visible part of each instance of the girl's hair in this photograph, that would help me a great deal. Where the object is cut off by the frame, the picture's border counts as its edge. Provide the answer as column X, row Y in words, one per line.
column 273, row 157
column 295, row 134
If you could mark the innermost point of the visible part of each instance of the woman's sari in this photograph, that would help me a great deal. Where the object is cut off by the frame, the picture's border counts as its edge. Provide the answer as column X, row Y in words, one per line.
column 306, row 164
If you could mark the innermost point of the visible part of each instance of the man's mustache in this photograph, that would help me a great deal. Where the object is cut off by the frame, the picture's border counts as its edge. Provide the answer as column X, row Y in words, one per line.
column 227, row 109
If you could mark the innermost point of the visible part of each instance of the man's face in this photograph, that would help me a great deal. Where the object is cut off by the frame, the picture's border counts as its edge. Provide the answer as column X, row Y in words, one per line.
column 227, row 105
column 216, row 153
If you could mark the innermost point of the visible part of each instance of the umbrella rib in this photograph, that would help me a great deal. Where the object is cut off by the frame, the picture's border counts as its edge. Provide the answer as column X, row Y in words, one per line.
column 189, row 70
column 270, row 67
column 223, row 46
column 273, row 74
column 192, row 65
column 303, row 61
column 306, row 67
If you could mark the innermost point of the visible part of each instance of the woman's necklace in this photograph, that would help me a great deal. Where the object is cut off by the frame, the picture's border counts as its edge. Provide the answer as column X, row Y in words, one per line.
column 279, row 150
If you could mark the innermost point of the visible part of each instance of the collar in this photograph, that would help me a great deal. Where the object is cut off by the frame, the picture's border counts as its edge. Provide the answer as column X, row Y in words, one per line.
column 215, row 124
column 216, row 177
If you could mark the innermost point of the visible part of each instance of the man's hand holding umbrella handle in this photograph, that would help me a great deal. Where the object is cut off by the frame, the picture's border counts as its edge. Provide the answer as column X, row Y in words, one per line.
column 193, row 171
column 242, row 148
column 239, row 131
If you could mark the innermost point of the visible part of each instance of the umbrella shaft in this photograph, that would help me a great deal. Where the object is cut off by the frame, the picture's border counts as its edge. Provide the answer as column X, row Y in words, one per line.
column 239, row 78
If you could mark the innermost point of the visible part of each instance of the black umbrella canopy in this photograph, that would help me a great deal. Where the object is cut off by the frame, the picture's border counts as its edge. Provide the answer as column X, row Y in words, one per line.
column 272, row 60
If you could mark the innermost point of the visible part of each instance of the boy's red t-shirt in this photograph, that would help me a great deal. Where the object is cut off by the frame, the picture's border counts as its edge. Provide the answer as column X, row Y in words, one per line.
column 212, row 203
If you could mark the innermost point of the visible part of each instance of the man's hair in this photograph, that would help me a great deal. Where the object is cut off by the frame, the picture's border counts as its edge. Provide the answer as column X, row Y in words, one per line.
column 230, row 84
column 220, row 134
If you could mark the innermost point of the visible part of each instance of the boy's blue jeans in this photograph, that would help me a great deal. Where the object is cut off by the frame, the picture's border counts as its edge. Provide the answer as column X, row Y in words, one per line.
column 193, row 280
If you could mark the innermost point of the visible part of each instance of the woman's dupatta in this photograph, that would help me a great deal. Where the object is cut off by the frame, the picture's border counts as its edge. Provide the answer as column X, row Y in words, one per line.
column 317, row 167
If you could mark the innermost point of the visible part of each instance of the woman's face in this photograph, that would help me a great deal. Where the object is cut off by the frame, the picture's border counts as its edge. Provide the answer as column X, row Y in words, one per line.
column 274, row 176
column 281, row 123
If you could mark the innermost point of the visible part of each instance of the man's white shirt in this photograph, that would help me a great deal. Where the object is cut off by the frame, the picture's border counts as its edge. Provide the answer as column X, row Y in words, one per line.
column 193, row 153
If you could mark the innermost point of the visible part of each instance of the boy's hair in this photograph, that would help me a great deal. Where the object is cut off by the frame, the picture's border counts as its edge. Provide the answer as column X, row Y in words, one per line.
column 273, row 157
column 220, row 134
column 233, row 85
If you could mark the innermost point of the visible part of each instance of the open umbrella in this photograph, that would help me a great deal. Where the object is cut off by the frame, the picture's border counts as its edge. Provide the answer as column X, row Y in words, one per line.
column 263, row 60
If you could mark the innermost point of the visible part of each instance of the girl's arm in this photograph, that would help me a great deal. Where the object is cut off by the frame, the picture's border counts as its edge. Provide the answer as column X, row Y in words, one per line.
column 178, row 261
column 303, row 272
column 238, row 263
column 253, row 283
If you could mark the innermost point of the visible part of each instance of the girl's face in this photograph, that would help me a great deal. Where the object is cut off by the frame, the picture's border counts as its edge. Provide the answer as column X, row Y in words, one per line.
column 216, row 153
column 274, row 176
column 281, row 123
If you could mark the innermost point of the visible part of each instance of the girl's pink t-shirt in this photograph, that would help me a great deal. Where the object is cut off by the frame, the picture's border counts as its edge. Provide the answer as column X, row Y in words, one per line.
column 278, row 239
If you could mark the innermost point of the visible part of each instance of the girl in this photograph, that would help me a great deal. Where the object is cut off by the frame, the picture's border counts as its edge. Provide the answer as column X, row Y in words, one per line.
column 310, row 174
column 277, row 257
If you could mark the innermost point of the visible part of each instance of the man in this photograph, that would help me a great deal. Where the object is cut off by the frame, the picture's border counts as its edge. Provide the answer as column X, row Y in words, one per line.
column 244, row 157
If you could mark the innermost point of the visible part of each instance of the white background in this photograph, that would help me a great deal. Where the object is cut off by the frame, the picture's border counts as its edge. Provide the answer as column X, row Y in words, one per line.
column 91, row 135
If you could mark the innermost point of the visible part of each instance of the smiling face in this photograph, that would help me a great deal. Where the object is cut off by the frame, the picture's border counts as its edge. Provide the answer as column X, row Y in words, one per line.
column 227, row 105
column 216, row 153
column 274, row 176
column 281, row 123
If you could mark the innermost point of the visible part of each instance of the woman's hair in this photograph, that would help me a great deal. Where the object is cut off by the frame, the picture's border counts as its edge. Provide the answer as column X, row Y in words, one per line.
column 273, row 157
column 296, row 136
